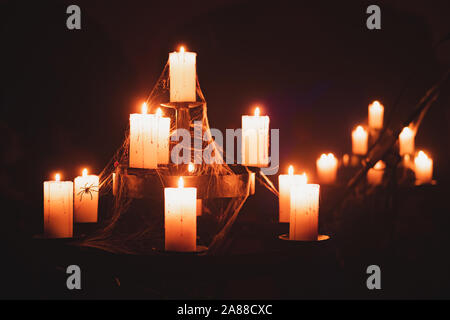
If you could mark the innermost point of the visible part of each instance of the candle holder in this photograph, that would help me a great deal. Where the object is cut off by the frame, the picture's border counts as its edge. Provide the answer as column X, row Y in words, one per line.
column 200, row 250
column 320, row 238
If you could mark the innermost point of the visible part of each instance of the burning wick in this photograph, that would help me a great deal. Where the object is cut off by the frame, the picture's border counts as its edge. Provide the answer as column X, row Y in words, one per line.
column 257, row 111
column 84, row 172
column 181, row 49
column 291, row 170
column 144, row 108
column 57, row 177
column 180, row 182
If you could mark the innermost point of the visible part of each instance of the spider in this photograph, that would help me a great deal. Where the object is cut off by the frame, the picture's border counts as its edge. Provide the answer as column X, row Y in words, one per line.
column 88, row 190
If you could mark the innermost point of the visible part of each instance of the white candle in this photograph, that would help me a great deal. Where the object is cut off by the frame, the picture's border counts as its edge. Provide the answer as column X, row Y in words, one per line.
column 304, row 215
column 58, row 208
column 375, row 174
column 359, row 141
column 285, row 182
column 255, row 140
column 406, row 141
column 85, row 203
column 376, row 113
column 149, row 139
column 326, row 167
column 180, row 222
column 423, row 168
column 183, row 77
column 191, row 169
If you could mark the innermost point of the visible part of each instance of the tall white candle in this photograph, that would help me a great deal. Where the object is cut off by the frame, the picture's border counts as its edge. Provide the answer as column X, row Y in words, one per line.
column 375, row 174
column 149, row 139
column 180, row 221
column 85, row 203
column 376, row 114
column 359, row 141
column 183, row 77
column 58, row 208
column 285, row 182
column 255, row 140
column 406, row 141
column 423, row 168
column 326, row 167
column 304, row 215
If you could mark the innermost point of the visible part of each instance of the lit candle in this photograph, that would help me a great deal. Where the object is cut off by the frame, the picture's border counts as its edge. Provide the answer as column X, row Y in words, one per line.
column 326, row 167
column 255, row 140
column 85, row 203
column 149, row 139
column 423, row 168
column 58, row 208
column 406, row 141
column 375, row 174
column 180, row 218
column 304, row 212
column 359, row 141
column 183, row 77
column 191, row 169
column 285, row 182
column 376, row 113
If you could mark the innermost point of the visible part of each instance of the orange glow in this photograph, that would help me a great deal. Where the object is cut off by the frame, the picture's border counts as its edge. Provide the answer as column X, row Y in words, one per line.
column 85, row 172
column 291, row 170
column 144, row 108
column 191, row 167
column 376, row 105
column 406, row 133
column 257, row 111
column 359, row 131
column 158, row 112
column 379, row 165
column 180, row 183
column 57, row 177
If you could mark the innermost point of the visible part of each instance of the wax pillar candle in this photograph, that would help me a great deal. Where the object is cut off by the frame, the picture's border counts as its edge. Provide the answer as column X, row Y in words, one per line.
column 326, row 167
column 149, row 139
column 375, row 174
column 423, row 168
column 359, row 141
column 199, row 205
column 255, row 140
column 85, row 203
column 406, row 141
column 183, row 77
column 180, row 221
column 252, row 177
column 285, row 182
column 58, row 208
column 304, row 212
column 376, row 113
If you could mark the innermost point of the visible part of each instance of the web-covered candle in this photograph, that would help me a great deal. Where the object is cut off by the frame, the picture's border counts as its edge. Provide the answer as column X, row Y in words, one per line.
column 255, row 140
column 85, row 205
column 183, row 77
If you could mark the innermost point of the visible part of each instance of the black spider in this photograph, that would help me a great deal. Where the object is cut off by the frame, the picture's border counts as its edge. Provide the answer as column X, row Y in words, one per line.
column 87, row 189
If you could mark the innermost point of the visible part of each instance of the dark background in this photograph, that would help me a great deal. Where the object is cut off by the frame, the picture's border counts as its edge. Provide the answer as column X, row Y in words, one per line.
column 313, row 66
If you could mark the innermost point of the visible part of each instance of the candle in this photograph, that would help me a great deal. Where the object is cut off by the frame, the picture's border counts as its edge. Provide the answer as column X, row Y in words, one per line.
column 191, row 169
column 180, row 218
column 304, row 212
column 406, row 141
column 58, row 208
column 285, row 182
column 85, row 203
column 359, row 141
column 375, row 174
column 376, row 113
column 255, row 140
column 423, row 168
column 149, row 139
column 183, row 77
column 326, row 167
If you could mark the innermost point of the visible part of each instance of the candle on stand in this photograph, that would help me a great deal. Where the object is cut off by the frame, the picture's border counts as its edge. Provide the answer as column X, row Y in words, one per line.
column 255, row 140
column 304, row 211
column 376, row 114
column 191, row 169
column 326, row 167
column 183, row 77
column 285, row 182
column 180, row 221
column 406, row 141
column 375, row 174
column 85, row 203
column 58, row 208
column 423, row 168
column 149, row 139
column 359, row 141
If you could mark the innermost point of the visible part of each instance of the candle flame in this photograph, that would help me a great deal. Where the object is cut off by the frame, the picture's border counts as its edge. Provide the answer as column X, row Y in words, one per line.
column 376, row 105
column 257, row 111
column 85, row 172
column 360, row 130
column 191, row 167
column 406, row 132
column 158, row 112
column 422, row 155
column 57, row 177
column 181, row 49
column 291, row 170
column 180, row 183
column 379, row 165
column 144, row 108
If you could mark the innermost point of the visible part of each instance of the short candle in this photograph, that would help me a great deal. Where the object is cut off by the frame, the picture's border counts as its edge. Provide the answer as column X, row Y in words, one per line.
column 85, row 205
column 183, row 76
column 376, row 113
column 285, row 182
column 255, row 140
column 326, row 167
column 375, row 174
column 423, row 168
column 406, row 141
column 359, row 141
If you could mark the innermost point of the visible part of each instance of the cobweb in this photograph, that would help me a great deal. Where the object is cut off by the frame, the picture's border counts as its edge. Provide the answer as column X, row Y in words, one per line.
column 136, row 226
